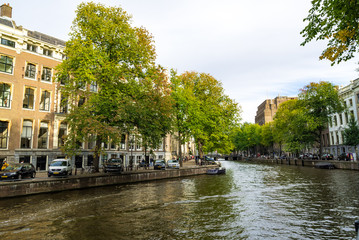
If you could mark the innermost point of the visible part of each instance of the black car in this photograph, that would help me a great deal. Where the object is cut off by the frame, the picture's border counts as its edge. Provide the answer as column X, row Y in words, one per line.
column 113, row 165
column 209, row 160
column 18, row 171
column 159, row 165
column 327, row 156
column 343, row 156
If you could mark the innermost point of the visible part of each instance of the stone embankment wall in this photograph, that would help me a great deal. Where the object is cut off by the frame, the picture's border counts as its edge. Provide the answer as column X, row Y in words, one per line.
column 35, row 186
column 347, row 165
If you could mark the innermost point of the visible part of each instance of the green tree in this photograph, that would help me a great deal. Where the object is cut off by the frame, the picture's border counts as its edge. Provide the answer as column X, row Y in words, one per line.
column 184, row 101
column 110, row 67
column 351, row 134
column 204, row 112
column 337, row 21
column 248, row 136
column 267, row 138
column 240, row 141
column 319, row 101
column 213, row 114
column 294, row 126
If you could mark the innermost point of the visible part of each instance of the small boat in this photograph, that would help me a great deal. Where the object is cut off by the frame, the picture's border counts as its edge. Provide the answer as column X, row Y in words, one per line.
column 216, row 171
column 325, row 165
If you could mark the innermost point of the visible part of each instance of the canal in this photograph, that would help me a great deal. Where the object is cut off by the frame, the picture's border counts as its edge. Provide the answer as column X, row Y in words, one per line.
column 251, row 201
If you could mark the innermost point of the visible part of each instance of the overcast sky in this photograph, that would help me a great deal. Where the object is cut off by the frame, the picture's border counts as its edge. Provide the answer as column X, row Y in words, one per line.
column 252, row 47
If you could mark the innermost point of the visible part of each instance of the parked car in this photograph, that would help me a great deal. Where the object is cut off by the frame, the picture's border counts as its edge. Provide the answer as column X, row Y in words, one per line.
column 209, row 160
column 18, row 171
column 60, row 167
column 173, row 164
column 315, row 156
column 343, row 156
column 327, row 156
column 159, row 165
column 113, row 165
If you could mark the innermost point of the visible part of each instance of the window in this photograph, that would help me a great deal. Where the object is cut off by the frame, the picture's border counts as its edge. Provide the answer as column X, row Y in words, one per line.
column 6, row 64
column 351, row 102
column 138, row 144
column 123, row 142
column 46, row 74
column 160, row 146
column 346, row 118
column 7, row 42
column 28, row 98
column 62, row 134
column 4, row 95
column 81, row 101
column 30, row 71
column 31, row 48
column 132, row 143
column 113, row 145
column 93, row 87
column 26, row 135
column 345, row 104
column 43, row 135
column 81, row 85
column 91, row 141
column 63, row 105
column 4, row 132
column 341, row 119
column 331, row 122
column 64, row 79
column 45, row 101
column 335, row 121
column 47, row 52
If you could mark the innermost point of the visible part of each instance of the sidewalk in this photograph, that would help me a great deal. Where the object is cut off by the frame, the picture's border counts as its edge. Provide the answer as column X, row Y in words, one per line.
column 187, row 164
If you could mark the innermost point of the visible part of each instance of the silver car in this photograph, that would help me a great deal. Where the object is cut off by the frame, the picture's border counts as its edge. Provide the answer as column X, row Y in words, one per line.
column 173, row 164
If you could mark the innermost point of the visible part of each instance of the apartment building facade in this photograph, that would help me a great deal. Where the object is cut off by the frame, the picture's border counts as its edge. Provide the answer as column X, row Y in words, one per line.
column 339, row 121
column 32, row 121
column 267, row 110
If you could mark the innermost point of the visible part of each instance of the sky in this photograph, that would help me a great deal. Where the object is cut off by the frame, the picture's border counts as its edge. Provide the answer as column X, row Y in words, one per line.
column 251, row 47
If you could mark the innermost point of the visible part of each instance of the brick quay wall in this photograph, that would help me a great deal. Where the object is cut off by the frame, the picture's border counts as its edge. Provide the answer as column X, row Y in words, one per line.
column 346, row 165
column 47, row 185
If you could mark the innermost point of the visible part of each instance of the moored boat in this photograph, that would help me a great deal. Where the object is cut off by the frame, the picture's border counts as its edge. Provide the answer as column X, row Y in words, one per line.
column 215, row 171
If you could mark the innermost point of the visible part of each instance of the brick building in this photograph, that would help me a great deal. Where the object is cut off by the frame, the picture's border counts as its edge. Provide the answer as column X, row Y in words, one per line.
column 267, row 109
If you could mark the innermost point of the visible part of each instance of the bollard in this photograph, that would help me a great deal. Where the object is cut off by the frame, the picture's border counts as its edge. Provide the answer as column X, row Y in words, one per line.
column 356, row 224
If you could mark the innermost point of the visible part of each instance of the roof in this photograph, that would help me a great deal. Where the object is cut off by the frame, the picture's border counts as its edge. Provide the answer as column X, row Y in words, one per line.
column 33, row 34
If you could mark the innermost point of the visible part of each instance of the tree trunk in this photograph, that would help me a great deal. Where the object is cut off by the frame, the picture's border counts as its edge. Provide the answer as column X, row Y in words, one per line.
column 180, row 149
column 97, row 152
column 200, row 151
column 320, row 144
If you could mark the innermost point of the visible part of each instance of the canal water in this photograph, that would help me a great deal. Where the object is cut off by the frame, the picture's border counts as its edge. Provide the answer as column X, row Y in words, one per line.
column 250, row 202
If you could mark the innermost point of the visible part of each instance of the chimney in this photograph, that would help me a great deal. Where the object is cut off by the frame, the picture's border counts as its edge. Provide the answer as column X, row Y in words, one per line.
column 6, row 11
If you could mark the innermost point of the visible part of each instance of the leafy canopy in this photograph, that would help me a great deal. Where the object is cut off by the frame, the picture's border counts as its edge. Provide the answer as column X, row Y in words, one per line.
column 337, row 22
column 110, row 65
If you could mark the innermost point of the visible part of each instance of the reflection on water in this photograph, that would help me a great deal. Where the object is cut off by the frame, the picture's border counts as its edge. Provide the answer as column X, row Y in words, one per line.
column 249, row 202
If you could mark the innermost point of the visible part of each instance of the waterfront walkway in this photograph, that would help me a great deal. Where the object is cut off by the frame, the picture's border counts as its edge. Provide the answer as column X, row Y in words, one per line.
column 187, row 164
column 43, row 184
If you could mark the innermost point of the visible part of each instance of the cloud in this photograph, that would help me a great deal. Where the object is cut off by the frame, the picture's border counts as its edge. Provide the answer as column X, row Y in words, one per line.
column 252, row 47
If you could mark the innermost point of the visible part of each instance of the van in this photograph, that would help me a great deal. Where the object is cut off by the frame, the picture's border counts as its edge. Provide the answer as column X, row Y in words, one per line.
column 60, row 167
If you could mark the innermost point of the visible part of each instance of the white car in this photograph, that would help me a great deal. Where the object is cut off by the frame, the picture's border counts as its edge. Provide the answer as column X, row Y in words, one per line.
column 60, row 167
column 173, row 164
